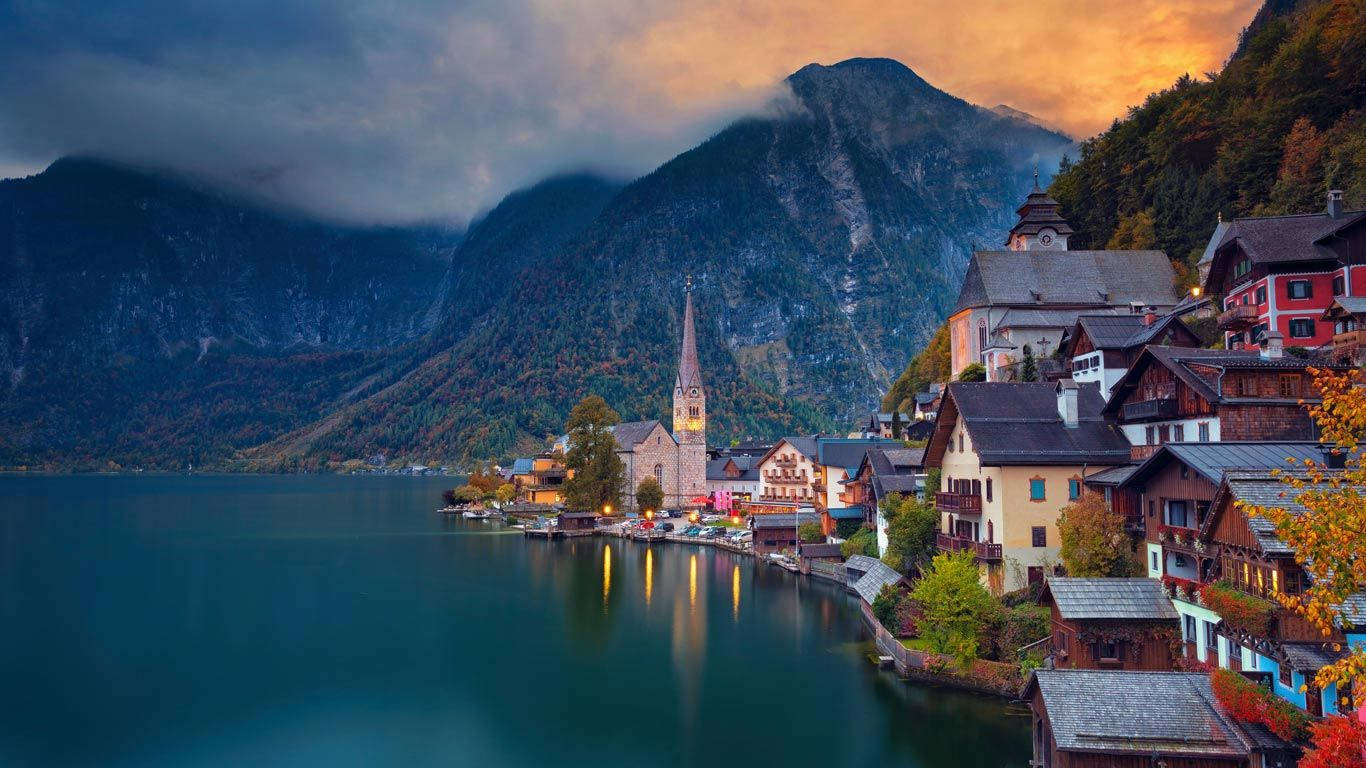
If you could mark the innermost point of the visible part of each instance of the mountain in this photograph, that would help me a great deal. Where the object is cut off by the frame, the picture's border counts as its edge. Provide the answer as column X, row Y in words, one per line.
column 827, row 240
column 1284, row 121
column 150, row 321
column 1007, row 111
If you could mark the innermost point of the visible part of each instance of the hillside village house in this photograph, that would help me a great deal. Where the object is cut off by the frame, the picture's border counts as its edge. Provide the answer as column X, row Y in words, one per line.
column 1103, row 718
column 1280, row 273
column 737, row 475
column 1103, row 347
column 882, row 472
column 1026, row 298
column 1109, row 623
column 810, row 471
column 540, row 479
column 1251, row 559
column 1174, row 395
column 1347, row 317
column 1011, row 456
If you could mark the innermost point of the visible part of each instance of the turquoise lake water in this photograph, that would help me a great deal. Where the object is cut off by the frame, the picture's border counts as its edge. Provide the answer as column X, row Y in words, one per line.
column 337, row 621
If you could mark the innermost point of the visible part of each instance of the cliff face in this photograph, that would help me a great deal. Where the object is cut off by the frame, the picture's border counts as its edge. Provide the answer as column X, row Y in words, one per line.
column 827, row 239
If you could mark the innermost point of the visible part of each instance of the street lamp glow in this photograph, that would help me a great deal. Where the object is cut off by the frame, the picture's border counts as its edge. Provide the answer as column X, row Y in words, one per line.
column 607, row 509
column 649, row 514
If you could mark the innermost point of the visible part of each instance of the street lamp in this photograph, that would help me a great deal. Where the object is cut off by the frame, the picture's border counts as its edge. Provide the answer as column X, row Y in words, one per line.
column 606, row 510
column 649, row 514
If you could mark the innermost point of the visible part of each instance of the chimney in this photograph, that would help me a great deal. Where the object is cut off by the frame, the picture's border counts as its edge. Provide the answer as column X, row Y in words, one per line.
column 1067, row 402
column 1149, row 316
column 1273, row 344
column 1334, row 203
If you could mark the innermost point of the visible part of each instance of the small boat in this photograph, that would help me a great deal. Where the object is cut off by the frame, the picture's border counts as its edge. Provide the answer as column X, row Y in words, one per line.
column 477, row 514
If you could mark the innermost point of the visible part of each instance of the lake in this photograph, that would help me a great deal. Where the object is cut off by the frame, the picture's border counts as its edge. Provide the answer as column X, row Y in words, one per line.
column 338, row 621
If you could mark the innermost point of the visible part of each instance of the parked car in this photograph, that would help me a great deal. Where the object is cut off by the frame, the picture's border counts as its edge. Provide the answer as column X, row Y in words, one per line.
column 666, row 527
column 692, row 530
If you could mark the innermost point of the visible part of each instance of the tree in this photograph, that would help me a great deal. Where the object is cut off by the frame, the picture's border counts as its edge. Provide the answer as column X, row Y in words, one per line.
column 896, row 424
column 649, row 495
column 468, row 493
column 1336, row 742
column 1029, row 369
column 929, row 366
column 973, row 372
column 810, row 533
column 954, row 605
column 1329, row 535
column 598, row 470
column 449, row 497
column 911, row 526
column 486, row 480
column 885, row 605
column 1093, row 542
column 863, row 542
column 505, row 493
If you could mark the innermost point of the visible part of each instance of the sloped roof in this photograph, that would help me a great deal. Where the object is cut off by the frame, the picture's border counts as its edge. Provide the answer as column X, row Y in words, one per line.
column 748, row 466
column 1018, row 423
column 803, row 444
column 1039, row 211
column 1352, row 305
column 1212, row 460
column 819, row 550
column 876, row 575
column 1126, row 330
column 1285, row 238
column 784, row 519
column 1179, row 360
column 1112, row 476
column 1172, row 713
column 1215, row 239
column 689, row 371
column 522, row 466
column 631, row 433
column 1097, row 599
column 1309, row 657
column 846, row 452
column 1085, row 278
column 845, row 513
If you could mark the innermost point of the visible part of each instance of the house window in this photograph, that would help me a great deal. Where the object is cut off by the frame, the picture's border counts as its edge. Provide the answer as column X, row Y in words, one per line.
column 1034, row 573
column 1283, row 673
column 1242, row 268
column 1290, row 385
column 1275, row 581
column 1073, row 489
column 1189, row 627
column 981, row 337
column 960, row 442
column 1203, row 428
column 1211, row 640
column 1258, row 331
column 1293, row 583
column 1036, row 489
column 1039, row 534
column 1179, row 433
column 1185, row 472
column 1103, row 650
column 1299, row 289
column 1148, row 434
column 1163, row 434
column 1261, row 294
column 1176, row 514
column 1247, row 386
column 988, row 489
column 1339, row 286
column 1155, row 566
column 1302, row 328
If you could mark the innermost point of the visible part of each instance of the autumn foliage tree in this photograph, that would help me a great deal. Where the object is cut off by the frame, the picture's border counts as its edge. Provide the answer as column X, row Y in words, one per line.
column 1328, row 535
column 1093, row 540
column 1337, row 743
column 598, row 470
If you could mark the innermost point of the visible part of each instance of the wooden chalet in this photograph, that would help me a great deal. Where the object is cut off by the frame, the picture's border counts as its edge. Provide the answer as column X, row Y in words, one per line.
column 1110, row 623
column 1175, row 395
column 1347, row 317
column 578, row 521
column 1102, row 347
column 1255, row 566
column 1102, row 718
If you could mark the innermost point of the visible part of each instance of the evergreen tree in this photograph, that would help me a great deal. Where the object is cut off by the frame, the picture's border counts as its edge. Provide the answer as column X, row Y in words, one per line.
column 896, row 425
column 598, row 471
column 1029, row 369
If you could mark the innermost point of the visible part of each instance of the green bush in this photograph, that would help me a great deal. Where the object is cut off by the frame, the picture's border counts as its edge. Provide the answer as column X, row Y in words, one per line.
column 810, row 533
column 864, row 542
column 847, row 528
column 885, row 607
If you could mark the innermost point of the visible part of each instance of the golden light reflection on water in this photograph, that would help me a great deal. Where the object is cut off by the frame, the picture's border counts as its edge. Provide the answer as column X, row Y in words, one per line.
column 692, row 583
column 606, row 574
column 649, row 574
column 735, row 592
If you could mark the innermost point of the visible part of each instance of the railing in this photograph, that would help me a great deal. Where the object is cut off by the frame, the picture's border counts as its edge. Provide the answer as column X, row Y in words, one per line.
column 785, row 462
column 1238, row 317
column 1157, row 408
column 958, row 502
column 981, row 549
column 1178, row 535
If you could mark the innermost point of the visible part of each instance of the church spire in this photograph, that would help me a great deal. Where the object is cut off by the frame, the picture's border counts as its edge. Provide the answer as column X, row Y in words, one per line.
column 689, row 371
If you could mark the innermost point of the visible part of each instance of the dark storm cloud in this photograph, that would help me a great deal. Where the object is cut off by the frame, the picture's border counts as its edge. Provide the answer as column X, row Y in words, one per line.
column 369, row 110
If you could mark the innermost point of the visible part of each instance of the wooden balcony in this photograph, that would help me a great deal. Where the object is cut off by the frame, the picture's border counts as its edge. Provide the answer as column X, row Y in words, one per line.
column 785, row 461
column 1157, row 408
column 958, row 503
column 1239, row 317
column 982, row 550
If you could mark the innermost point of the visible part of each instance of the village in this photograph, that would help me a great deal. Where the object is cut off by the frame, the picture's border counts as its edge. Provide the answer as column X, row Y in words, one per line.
column 1094, row 512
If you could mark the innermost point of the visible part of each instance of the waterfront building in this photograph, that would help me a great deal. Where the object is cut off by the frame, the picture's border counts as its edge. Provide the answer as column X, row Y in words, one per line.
column 737, row 475
column 1279, row 273
column 1175, row 395
column 1011, row 456
column 1101, row 718
column 786, row 474
column 811, row 471
column 1023, row 300
column 1109, row 623
column 884, row 471
column 677, row 460
column 540, row 479
column 777, row 531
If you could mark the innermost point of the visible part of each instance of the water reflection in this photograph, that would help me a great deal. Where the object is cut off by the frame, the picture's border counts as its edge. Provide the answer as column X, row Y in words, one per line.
column 606, row 575
column 735, row 592
column 649, row 574
column 692, row 584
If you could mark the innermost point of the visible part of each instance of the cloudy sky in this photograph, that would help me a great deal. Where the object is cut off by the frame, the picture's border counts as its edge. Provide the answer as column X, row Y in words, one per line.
column 386, row 111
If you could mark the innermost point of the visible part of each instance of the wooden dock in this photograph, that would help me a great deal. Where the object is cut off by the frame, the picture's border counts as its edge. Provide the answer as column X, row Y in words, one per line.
column 554, row 533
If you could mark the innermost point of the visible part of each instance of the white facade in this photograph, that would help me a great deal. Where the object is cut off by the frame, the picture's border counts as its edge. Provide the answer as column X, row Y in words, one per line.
column 1199, row 430
column 786, row 474
column 1090, row 367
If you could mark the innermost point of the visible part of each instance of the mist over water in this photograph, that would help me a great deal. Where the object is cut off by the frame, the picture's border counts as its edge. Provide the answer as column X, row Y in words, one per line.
column 295, row 620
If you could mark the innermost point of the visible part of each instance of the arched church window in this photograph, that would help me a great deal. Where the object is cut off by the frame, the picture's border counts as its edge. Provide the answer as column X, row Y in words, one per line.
column 659, row 474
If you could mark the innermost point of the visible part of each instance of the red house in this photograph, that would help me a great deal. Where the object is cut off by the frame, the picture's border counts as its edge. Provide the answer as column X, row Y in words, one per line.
column 1281, row 272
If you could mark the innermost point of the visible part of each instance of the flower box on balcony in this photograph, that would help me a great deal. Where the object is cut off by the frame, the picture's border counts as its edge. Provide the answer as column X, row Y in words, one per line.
column 1239, row 610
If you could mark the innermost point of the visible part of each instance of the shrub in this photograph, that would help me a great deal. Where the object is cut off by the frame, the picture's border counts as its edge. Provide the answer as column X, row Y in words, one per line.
column 864, row 542
column 846, row 528
column 885, row 607
column 810, row 533
column 973, row 372
column 954, row 605
column 1017, row 627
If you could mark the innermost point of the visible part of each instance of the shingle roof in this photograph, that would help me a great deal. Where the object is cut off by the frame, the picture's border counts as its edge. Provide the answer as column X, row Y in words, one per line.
column 522, row 466
column 819, row 550
column 846, row 452
column 1018, row 423
column 903, row 458
column 1172, row 713
column 1354, row 305
column 783, row 519
column 1354, row 610
column 1263, row 489
column 1094, row 278
column 1126, row 330
column 874, row 576
column 1285, row 238
column 1182, row 362
column 630, row 433
column 1212, row 460
column 748, row 466
column 1112, row 476
column 1309, row 657
column 1095, row 599
column 845, row 513
column 1214, row 241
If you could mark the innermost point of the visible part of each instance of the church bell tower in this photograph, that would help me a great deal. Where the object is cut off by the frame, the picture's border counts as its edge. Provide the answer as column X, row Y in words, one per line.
column 690, row 412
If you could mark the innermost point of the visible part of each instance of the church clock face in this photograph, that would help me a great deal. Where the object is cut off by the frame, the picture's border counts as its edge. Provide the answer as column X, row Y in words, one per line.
column 1046, row 238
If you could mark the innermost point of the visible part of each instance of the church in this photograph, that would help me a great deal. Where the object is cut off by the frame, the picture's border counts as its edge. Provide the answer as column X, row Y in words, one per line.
column 678, row 460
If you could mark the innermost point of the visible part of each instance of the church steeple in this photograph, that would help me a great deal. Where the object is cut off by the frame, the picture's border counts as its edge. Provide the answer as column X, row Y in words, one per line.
column 690, row 402
column 1041, row 225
